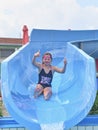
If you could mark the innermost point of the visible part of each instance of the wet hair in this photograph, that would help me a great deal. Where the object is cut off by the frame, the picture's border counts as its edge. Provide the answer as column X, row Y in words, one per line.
column 47, row 53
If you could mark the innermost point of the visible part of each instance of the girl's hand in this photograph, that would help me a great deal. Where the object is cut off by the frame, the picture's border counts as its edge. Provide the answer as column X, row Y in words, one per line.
column 65, row 61
column 37, row 54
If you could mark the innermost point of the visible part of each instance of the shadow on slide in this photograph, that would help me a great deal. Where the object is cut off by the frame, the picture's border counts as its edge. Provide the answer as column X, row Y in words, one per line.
column 73, row 92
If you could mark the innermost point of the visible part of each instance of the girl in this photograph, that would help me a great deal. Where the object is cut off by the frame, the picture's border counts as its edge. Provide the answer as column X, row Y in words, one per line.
column 46, row 71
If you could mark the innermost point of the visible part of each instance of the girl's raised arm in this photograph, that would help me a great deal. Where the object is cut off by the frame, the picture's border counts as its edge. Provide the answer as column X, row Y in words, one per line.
column 37, row 64
column 60, row 70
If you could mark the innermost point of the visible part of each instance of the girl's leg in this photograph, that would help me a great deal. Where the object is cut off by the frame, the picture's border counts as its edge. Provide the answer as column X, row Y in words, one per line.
column 47, row 93
column 38, row 90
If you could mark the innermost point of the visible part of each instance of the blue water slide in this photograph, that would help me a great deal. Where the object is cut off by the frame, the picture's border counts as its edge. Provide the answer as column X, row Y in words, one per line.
column 74, row 91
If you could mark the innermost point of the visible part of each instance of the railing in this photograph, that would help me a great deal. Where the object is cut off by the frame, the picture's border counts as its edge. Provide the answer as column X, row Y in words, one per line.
column 89, row 123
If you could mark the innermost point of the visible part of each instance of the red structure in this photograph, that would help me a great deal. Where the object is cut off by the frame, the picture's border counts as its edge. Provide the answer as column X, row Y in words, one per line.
column 25, row 35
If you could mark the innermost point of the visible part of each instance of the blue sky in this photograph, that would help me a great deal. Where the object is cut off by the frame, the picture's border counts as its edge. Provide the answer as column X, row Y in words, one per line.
column 47, row 14
column 85, row 3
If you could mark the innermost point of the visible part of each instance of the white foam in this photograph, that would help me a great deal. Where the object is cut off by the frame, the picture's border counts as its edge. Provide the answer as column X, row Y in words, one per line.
column 52, row 126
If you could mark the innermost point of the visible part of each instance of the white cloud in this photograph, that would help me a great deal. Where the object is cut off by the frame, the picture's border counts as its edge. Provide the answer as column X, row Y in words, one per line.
column 46, row 14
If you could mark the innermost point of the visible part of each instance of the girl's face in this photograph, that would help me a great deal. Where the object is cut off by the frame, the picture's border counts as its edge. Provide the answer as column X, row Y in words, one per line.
column 47, row 59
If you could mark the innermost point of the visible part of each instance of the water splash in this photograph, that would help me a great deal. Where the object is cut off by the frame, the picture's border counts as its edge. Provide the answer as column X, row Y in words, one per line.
column 52, row 126
column 31, row 89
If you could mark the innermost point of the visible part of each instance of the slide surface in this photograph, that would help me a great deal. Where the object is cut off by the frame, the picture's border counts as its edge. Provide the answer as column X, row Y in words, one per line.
column 74, row 91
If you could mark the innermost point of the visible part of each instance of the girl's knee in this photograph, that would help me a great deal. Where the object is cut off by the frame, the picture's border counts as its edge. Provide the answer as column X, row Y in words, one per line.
column 47, row 93
column 38, row 91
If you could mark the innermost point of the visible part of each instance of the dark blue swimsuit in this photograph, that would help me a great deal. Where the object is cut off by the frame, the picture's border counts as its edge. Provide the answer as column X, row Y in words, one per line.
column 45, row 79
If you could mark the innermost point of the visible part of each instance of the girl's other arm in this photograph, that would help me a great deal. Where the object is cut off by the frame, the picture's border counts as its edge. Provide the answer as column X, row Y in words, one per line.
column 61, row 70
